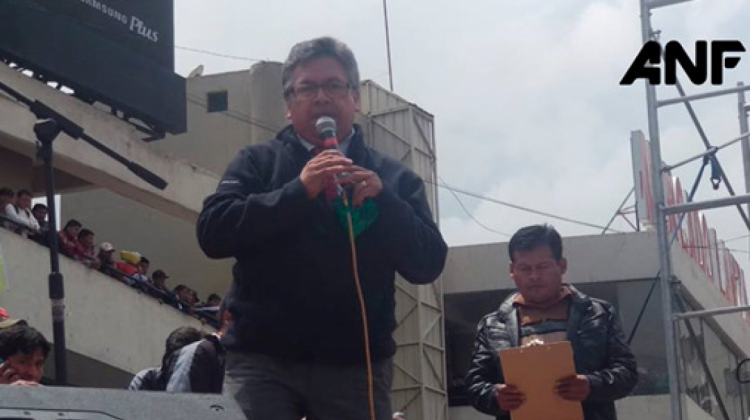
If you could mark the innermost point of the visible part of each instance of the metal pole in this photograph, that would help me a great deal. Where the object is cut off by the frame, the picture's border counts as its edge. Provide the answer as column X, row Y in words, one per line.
column 742, row 109
column 661, row 230
column 706, row 95
column 708, row 204
column 714, row 159
column 618, row 212
column 388, row 44
column 711, row 312
column 710, row 151
column 46, row 131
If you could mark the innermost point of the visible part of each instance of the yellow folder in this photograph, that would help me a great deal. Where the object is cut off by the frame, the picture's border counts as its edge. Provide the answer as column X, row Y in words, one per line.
column 534, row 371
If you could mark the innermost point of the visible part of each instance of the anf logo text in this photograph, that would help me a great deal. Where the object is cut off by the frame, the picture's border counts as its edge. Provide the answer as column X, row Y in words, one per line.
column 647, row 63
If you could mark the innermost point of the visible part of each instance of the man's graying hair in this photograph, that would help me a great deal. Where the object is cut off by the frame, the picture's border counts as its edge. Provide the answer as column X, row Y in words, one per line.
column 306, row 51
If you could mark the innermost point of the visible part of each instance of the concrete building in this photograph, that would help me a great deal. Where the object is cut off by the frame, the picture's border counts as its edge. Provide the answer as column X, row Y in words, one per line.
column 112, row 331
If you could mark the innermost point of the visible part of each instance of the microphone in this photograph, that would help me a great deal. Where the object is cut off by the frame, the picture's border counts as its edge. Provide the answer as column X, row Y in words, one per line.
column 326, row 128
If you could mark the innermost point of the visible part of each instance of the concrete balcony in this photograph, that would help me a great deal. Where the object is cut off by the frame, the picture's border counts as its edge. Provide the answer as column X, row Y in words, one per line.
column 79, row 165
column 112, row 330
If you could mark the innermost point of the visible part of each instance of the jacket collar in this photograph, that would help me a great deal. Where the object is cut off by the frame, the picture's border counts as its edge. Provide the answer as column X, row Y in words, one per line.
column 578, row 300
column 356, row 150
column 579, row 305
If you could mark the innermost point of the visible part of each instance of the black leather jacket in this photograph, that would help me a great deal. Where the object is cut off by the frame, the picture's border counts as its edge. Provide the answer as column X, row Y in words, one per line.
column 599, row 349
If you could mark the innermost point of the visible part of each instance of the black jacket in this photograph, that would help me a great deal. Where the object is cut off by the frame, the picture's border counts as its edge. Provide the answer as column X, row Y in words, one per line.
column 293, row 294
column 198, row 367
column 599, row 350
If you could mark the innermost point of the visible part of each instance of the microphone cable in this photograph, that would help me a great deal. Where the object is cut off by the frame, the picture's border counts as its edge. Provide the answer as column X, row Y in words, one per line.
column 362, row 306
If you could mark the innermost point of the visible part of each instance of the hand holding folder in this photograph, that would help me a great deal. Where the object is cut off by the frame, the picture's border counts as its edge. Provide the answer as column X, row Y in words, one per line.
column 536, row 371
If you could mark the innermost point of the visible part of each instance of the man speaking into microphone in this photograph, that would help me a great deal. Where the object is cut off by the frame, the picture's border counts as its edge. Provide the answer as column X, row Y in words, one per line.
column 296, row 346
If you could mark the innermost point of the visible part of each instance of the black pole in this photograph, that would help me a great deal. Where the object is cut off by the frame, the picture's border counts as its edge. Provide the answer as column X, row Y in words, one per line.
column 46, row 131
column 49, row 124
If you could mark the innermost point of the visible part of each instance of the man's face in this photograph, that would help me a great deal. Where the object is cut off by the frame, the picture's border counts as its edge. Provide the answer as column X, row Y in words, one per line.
column 185, row 295
column 23, row 202
column 88, row 240
column 160, row 282
column 106, row 255
column 40, row 214
column 538, row 276
column 73, row 231
column 29, row 367
column 143, row 267
column 303, row 112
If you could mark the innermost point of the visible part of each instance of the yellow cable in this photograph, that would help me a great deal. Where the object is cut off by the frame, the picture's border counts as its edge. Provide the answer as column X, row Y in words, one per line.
column 355, row 266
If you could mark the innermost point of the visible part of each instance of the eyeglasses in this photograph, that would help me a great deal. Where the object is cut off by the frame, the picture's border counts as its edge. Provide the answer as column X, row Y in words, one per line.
column 332, row 90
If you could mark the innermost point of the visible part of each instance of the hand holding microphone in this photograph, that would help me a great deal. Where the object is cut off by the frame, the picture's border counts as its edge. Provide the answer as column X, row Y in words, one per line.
column 327, row 164
column 364, row 182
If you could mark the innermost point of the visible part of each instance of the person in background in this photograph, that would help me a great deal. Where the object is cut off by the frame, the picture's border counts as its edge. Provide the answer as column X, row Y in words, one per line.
column 85, row 250
column 213, row 301
column 159, row 280
column 106, row 257
column 199, row 366
column 158, row 289
column 68, row 238
column 39, row 211
column 143, row 266
column 193, row 298
column 20, row 212
column 156, row 378
column 24, row 351
column 129, row 267
column 547, row 310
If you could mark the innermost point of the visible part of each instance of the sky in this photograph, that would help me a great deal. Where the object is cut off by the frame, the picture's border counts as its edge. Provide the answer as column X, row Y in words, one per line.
column 526, row 96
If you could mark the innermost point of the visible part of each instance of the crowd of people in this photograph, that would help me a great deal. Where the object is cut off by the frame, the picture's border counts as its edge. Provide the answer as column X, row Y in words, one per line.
column 79, row 243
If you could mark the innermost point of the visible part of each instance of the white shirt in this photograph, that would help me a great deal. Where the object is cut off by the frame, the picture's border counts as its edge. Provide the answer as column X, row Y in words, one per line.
column 343, row 146
column 22, row 217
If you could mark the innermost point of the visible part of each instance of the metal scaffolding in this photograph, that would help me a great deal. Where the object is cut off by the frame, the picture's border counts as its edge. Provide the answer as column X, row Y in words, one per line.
column 670, row 285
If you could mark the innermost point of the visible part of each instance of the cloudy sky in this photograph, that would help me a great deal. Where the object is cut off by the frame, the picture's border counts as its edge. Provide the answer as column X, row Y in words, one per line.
column 526, row 96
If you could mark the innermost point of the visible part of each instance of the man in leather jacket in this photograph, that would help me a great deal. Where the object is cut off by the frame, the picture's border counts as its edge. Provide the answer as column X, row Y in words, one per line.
column 546, row 309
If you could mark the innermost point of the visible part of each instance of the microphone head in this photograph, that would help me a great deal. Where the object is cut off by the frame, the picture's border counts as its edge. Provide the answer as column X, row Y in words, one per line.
column 326, row 128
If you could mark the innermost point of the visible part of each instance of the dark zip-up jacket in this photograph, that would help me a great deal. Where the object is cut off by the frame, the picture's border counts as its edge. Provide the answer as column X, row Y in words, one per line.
column 198, row 367
column 599, row 349
column 293, row 293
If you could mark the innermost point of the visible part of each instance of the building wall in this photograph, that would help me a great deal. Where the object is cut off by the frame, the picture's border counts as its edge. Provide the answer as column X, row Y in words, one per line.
column 256, row 111
column 597, row 258
column 112, row 330
column 16, row 170
column 188, row 183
